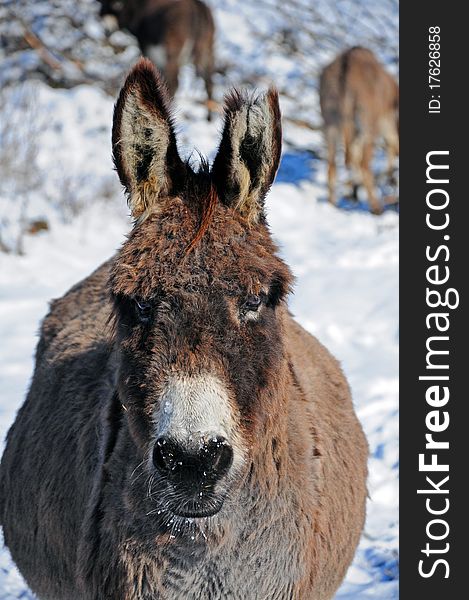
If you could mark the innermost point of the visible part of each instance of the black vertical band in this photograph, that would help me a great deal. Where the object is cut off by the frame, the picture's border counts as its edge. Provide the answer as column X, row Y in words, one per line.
column 433, row 258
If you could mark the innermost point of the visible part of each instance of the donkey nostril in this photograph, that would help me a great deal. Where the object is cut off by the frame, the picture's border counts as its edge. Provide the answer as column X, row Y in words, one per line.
column 221, row 455
column 210, row 461
column 163, row 455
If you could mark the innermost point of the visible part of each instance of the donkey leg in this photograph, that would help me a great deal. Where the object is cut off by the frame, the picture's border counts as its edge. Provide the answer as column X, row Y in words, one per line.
column 207, row 77
column 206, row 72
column 391, row 138
column 350, row 149
column 171, row 73
column 392, row 154
column 204, row 66
column 348, row 142
column 368, row 179
column 143, row 47
column 331, row 140
column 356, row 150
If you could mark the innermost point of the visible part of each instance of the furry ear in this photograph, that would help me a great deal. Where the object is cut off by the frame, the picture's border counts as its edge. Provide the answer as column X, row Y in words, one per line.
column 143, row 140
column 249, row 152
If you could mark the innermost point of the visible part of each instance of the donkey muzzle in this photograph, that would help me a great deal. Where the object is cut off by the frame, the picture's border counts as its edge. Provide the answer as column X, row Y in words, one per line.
column 193, row 468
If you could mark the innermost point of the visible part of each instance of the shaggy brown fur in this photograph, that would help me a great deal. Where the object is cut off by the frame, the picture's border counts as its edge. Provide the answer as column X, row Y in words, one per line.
column 359, row 102
column 171, row 33
column 85, row 511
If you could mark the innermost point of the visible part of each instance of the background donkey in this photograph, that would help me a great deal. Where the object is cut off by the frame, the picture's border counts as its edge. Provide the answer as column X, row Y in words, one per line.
column 183, row 437
column 359, row 102
column 170, row 33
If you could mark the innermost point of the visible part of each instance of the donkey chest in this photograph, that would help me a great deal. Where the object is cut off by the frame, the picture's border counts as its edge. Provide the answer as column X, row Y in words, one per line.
column 254, row 571
column 254, row 580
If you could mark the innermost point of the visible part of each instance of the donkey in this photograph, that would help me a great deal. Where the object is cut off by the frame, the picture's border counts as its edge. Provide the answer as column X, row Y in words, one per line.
column 171, row 33
column 183, row 437
column 359, row 102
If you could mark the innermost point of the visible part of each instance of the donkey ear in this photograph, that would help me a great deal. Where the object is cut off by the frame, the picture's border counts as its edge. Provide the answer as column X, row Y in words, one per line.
column 143, row 140
column 249, row 152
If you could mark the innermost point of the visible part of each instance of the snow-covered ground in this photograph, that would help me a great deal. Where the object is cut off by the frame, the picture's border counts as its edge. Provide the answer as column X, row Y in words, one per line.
column 345, row 262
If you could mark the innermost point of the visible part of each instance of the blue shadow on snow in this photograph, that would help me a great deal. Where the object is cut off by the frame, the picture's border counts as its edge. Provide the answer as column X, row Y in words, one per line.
column 301, row 165
column 384, row 562
column 296, row 167
column 361, row 206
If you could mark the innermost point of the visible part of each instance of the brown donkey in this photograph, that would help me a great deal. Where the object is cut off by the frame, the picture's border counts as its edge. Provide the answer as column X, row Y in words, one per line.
column 171, row 33
column 359, row 103
column 184, row 438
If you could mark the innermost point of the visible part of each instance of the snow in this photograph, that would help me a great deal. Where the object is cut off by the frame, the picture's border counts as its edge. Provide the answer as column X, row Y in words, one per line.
column 345, row 261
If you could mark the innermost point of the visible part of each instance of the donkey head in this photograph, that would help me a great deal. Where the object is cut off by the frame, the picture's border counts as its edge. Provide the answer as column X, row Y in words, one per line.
column 198, row 295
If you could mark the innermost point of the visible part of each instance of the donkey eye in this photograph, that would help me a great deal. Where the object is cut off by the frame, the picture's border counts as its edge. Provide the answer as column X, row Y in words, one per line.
column 252, row 303
column 144, row 310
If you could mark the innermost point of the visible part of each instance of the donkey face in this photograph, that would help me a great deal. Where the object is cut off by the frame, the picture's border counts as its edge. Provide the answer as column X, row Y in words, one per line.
column 198, row 292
